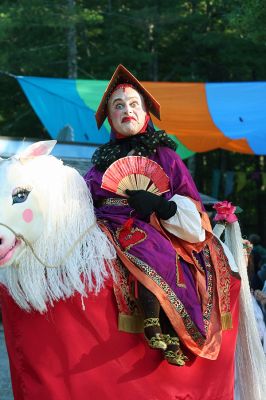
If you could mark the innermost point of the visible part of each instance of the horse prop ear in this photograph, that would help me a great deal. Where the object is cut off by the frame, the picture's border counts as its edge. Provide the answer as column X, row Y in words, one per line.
column 37, row 149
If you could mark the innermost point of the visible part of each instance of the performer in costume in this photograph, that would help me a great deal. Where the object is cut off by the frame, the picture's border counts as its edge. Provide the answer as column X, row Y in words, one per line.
column 166, row 252
column 71, row 348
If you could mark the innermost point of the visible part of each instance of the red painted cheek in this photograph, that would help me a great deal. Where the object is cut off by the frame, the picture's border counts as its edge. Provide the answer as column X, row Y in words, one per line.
column 116, row 114
column 27, row 215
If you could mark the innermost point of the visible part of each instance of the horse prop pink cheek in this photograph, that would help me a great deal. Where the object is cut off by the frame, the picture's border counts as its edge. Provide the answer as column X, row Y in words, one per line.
column 27, row 215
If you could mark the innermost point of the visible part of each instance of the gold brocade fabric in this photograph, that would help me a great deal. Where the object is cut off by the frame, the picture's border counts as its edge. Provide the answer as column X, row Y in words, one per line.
column 213, row 285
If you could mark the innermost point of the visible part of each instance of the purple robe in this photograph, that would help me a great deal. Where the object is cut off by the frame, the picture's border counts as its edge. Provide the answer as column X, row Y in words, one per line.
column 155, row 255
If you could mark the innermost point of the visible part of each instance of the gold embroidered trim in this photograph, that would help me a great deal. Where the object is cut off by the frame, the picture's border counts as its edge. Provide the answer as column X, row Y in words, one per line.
column 190, row 326
column 157, row 342
column 130, row 323
column 224, row 281
column 210, row 287
column 113, row 201
column 151, row 322
column 209, row 274
column 173, row 340
column 130, row 236
column 126, row 305
column 183, row 285
column 196, row 261
column 227, row 321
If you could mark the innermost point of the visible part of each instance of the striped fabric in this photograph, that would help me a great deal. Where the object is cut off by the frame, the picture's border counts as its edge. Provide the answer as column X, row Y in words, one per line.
column 199, row 116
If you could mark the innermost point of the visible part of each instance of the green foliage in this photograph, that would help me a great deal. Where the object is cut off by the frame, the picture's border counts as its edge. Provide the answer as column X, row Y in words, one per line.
column 203, row 40
column 158, row 40
column 164, row 40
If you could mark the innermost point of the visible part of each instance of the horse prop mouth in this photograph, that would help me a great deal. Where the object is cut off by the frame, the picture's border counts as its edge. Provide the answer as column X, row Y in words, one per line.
column 5, row 258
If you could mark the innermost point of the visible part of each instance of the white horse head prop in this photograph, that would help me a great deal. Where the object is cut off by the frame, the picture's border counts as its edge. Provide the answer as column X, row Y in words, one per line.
column 50, row 245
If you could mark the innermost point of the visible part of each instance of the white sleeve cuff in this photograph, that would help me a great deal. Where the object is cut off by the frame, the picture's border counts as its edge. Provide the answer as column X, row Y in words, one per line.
column 186, row 223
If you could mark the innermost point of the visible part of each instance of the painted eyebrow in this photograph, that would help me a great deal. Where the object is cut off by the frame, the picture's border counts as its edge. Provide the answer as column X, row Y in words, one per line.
column 130, row 98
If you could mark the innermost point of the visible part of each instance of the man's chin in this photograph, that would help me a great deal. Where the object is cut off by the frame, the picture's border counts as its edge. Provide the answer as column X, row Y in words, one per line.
column 130, row 132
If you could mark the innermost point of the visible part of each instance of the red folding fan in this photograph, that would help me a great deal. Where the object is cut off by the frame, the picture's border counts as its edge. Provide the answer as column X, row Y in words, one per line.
column 135, row 173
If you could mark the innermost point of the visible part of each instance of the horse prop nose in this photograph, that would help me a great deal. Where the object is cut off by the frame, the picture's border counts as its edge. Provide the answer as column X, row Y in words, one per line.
column 3, row 237
column 2, row 241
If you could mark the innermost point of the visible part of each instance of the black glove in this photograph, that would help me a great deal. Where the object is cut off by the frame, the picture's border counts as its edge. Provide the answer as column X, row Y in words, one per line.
column 146, row 203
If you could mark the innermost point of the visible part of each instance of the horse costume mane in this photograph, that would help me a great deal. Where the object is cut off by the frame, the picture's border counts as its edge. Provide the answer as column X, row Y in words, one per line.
column 250, row 368
column 68, row 217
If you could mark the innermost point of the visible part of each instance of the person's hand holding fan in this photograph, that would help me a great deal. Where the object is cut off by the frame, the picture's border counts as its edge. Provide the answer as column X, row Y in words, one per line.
column 142, row 181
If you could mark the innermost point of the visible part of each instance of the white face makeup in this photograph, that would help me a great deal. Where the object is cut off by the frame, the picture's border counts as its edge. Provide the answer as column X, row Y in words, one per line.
column 127, row 111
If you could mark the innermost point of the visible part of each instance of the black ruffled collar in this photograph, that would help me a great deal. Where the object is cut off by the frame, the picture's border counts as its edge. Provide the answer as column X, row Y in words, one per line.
column 144, row 144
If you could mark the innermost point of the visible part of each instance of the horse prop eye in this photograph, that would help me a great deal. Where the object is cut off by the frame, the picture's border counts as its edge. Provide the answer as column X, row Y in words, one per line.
column 20, row 195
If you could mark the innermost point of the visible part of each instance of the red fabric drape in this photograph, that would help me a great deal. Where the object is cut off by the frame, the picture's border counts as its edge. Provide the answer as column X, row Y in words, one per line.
column 72, row 354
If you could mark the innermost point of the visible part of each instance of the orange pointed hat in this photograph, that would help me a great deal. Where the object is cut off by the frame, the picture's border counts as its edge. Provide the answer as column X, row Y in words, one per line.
column 122, row 75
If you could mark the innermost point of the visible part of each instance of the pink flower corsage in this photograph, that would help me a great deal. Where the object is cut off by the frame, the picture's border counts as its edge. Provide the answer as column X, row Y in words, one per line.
column 225, row 212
